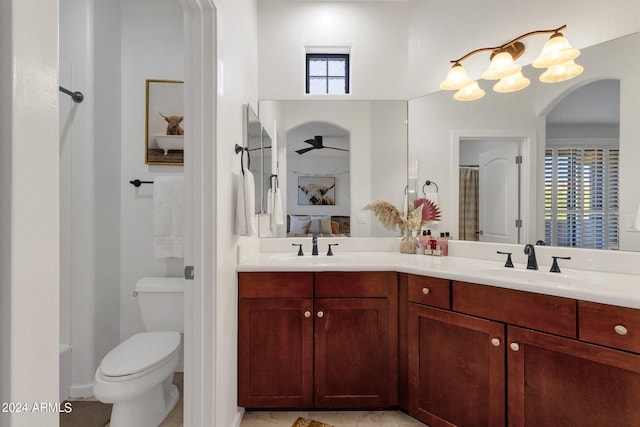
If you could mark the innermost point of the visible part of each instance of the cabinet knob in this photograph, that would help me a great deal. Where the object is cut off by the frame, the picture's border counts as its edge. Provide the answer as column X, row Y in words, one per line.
column 620, row 330
column 307, row 313
column 514, row 346
column 426, row 291
column 495, row 342
column 320, row 314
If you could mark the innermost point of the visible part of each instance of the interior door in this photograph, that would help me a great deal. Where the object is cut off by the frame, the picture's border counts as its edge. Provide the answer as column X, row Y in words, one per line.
column 499, row 199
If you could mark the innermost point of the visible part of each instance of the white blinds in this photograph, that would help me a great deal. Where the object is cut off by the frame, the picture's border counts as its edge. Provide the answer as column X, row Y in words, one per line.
column 581, row 197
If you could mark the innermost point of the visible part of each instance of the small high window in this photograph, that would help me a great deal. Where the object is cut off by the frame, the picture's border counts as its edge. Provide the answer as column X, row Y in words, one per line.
column 327, row 74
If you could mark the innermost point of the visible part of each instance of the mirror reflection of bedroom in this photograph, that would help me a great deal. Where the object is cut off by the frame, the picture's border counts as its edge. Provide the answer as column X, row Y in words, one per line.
column 318, row 181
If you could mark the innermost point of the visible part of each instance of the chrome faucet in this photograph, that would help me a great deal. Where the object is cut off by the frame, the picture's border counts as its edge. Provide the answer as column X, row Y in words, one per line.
column 529, row 250
column 314, row 241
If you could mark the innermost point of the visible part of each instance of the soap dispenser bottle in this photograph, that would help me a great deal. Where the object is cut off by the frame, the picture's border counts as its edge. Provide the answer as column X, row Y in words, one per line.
column 444, row 245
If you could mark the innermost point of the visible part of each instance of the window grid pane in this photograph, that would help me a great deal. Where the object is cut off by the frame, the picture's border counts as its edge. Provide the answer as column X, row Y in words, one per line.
column 333, row 69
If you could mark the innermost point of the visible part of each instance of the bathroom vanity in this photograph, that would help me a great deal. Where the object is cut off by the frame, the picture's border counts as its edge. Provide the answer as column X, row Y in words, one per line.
column 436, row 338
column 313, row 340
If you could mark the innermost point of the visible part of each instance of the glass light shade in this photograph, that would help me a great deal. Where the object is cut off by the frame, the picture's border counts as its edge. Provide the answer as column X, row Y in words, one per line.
column 502, row 65
column 469, row 93
column 456, row 79
column 512, row 83
column 556, row 50
column 562, row 72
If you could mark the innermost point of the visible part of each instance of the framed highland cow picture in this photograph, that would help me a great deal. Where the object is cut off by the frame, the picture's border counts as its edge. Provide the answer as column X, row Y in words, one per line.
column 316, row 190
column 164, row 142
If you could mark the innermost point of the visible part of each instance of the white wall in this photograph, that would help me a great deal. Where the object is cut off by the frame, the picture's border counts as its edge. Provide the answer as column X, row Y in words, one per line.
column 152, row 48
column 376, row 33
column 89, row 188
column 433, row 119
column 440, row 32
column 29, row 194
column 237, row 64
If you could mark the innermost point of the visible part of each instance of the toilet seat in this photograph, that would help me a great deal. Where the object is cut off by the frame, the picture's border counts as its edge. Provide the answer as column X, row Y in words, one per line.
column 142, row 352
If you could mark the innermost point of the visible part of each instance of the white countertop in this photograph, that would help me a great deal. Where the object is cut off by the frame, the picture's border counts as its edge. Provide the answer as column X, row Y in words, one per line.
column 604, row 287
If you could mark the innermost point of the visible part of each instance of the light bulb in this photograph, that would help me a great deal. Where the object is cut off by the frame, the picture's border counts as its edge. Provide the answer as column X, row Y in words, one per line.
column 469, row 93
column 502, row 65
column 456, row 79
column 556, row 50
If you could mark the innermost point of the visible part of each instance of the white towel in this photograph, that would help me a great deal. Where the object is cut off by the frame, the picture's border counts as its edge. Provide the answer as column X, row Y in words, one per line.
column 270, row 194
column 637, row 226
column 405, row 204
column 168, row 216
column 246, row 204
column 278, row 211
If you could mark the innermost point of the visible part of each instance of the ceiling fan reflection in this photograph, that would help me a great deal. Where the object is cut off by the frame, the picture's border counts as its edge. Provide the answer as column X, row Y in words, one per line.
column 316, row 144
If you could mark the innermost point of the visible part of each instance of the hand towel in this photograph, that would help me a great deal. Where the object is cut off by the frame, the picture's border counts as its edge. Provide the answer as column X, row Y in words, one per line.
column 405, row 204
column 246, row 204
column 270, row 194
column 278, row 210
column 168, row 216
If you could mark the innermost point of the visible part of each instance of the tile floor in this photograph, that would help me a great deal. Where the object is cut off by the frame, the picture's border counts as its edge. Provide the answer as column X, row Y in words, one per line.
column 335, row 418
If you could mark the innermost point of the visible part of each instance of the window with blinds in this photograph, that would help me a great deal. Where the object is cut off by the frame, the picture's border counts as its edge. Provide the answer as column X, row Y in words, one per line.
column 581, row 197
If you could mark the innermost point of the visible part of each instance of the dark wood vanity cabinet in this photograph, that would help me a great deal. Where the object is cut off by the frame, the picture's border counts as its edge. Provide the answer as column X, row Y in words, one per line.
column 329, row 341
column 456, row 368
column 555, row 381
column 451, row 353
column 506, row 357
column 275, row 340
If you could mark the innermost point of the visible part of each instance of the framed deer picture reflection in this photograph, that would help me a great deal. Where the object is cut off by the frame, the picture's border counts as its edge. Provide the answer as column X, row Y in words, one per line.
column 164, row 144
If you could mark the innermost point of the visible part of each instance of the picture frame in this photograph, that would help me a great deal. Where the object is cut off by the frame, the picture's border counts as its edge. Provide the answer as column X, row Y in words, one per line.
column 164, row 122
column 316, row 190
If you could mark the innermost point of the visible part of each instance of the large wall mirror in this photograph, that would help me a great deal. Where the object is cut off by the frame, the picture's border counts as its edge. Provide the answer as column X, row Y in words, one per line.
column 333, row 158
column 587, row 128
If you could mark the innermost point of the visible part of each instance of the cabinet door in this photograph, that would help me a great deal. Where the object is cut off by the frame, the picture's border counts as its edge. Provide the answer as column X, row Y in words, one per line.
column 456, row 368
column 275, row 360
column 353, row 353
column 559, row 382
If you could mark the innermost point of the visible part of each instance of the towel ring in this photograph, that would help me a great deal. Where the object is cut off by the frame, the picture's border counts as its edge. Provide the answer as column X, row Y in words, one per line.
column 427, row 183
column 241, row 150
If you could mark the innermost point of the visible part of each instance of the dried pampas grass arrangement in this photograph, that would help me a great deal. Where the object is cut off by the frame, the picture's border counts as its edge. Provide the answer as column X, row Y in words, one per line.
column 390, row 217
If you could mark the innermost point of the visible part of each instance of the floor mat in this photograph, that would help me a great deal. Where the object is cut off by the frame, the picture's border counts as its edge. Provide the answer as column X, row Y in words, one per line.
column 86, row 414
column 305, row 422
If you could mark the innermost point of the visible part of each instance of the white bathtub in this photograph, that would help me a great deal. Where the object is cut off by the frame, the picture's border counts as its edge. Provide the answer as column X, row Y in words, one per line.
column 170, row 142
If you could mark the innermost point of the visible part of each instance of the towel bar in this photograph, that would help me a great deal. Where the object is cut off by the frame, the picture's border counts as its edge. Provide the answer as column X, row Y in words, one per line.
column 138, row 183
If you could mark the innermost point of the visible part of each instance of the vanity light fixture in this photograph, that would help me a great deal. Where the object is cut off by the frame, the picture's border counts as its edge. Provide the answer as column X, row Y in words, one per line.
column 557, row 57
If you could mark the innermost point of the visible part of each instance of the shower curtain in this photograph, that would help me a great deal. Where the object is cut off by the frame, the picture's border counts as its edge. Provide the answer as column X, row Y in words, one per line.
column 468, row 204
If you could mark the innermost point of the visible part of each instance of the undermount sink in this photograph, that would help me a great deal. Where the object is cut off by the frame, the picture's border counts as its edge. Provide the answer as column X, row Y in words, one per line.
column 536, row 276
column 312, row 259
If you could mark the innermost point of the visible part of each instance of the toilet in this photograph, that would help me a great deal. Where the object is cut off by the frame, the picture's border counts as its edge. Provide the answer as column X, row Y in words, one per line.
column 136, row 376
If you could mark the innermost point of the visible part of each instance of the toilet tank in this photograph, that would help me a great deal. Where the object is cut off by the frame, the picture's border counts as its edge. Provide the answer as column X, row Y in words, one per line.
column 161, row 301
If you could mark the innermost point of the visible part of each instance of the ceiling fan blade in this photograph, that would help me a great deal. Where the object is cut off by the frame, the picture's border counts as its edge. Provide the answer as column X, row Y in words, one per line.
column 310, row 141
column 304, row 150
column 334, row 148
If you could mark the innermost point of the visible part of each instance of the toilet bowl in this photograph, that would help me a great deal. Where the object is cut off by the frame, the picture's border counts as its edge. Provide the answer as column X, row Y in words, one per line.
column 137, row 376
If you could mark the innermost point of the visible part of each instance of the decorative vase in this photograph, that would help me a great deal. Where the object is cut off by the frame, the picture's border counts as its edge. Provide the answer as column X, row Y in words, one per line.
column 408, row 243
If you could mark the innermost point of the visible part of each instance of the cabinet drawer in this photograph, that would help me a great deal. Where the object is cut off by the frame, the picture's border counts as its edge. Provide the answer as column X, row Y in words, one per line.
column 609, row 325
column 548, row 313
column 275, row 285
column 356, row 284
column 429, row 291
